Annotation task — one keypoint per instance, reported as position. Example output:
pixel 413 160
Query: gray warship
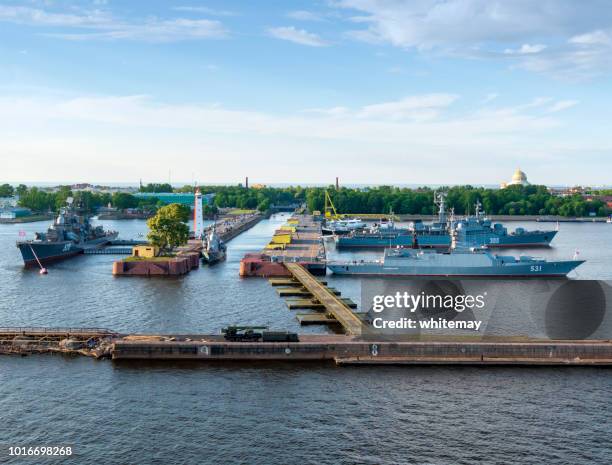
pixel 458 262
pixel 69 235
pixel 214 248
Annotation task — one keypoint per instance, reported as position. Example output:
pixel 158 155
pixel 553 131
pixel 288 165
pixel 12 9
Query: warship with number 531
pixel 459 261
pixel 69 235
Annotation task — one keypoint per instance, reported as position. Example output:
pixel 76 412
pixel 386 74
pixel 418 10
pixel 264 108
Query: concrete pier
pixel 339 349
pixel 345 350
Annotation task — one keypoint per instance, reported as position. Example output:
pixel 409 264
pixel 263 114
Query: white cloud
pixel 130 134
pixel 35 16
pixel 338 111
pixel 204 10
pixel 97 24
pixel 153 30
pixel 299 36
pixel 525 49
pixel 418 108
pixel 303 15
pixel 562 105
pixel 469 27
pixel 490 97
pixel 592 38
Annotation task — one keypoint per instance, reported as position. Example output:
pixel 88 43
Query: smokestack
pixel 337 183
pixel 246 182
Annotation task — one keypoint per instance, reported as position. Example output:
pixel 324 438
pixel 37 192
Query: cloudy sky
pixel 372 91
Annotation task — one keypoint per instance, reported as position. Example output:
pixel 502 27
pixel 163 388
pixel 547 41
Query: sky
pixel 372 91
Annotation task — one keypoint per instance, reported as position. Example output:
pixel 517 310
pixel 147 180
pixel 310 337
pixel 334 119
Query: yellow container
pixel 272 246
pixel 286 227
pixel 281 238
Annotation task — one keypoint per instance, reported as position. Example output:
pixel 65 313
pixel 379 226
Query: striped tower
pixel 198 221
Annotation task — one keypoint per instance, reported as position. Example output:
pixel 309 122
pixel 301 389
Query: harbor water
pixel 276 413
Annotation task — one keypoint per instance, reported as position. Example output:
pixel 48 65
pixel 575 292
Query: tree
pixel 6 190
pixel 122 200
pixel 21 189
pixel 157 188
pixel 167 229
pixel 264 205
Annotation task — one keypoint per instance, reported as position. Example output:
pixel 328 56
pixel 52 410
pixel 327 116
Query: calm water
pixel 274 413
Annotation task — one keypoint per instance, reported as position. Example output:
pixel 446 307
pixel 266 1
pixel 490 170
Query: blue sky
pixel 403 92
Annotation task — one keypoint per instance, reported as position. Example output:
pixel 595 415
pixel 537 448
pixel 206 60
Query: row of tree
pixel 513 200
pixel 40 200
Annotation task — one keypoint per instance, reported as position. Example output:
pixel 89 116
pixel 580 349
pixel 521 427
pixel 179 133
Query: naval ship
pixel 69 235
pixel 215 249
pixel 459 262
pixel 473 231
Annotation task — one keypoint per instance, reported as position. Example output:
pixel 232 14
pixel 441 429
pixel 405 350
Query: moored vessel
pixel 69 235
pixel 473 231
pixel 461 262
pixel 214 248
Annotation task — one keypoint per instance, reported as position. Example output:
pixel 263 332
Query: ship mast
pixel 440 201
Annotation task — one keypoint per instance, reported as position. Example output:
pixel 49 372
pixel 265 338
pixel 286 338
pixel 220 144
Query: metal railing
pixel 54 330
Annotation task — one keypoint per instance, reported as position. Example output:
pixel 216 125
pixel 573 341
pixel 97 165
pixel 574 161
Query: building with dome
pixel 518 178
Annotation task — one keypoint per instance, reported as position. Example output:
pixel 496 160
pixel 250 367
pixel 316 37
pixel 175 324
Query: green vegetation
pixel 6 190
pixel 158 188
pixel 514 200
pixel 239 211
pixel 40 200
pixel 148 259
pixel 167 229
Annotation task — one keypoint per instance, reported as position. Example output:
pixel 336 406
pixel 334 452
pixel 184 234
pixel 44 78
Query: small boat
pixel 341 227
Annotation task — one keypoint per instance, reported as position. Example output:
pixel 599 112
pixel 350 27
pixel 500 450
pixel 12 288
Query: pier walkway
pixel 351 323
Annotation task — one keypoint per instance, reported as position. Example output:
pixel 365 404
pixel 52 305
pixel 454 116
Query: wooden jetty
pixel 350 322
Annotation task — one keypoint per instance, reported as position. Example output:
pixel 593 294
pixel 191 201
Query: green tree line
pixel 40 200
pixel 514 200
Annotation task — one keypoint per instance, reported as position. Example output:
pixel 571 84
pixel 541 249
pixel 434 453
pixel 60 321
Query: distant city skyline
pixel 373 91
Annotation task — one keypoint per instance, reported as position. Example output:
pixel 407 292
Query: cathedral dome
pixel 519 177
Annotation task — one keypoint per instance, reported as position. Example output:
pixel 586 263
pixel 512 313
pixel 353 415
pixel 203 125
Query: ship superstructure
pixel 461 262
pixel 473 231
pixel 70 234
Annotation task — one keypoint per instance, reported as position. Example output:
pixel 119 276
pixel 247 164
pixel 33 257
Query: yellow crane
pixel 330 209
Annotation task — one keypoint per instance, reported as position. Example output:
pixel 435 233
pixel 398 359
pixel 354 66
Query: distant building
pixel 8 202
pixel 569 191
pixel 519 178
pixel 15 212
pixel 184 198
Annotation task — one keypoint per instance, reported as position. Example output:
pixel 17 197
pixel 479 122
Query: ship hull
pixel 533 239
pixel 211 258
pixel 382 242
pixel 47 253
pixel 52 252
pixel 518 270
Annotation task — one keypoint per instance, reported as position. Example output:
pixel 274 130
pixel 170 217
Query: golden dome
pixel 519 176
